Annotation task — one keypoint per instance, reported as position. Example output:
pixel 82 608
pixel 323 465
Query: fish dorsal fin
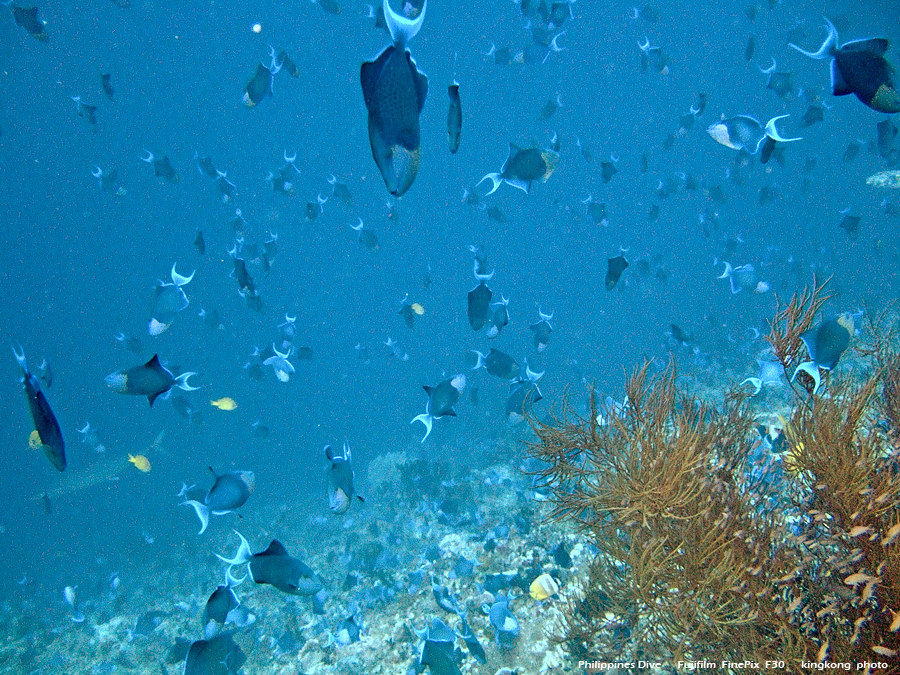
pixel 213 472
pixel 428 389
pixel 402 29
pixel 153 363
pixel 276 548
pixel 838 86
pixel 877 46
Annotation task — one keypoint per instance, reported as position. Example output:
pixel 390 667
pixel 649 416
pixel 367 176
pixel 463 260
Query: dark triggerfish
pixel 229 492
pixel 441 399
pixel 151 380
pixel 522 167
pixel 275 567
pixel 27 18
pixel 394 90
pixel 44 420
pixel 859 68
pixel 340 479
pixel 825 344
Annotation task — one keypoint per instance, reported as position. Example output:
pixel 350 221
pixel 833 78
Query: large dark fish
pixel 394 90
pixel 44 420
pixel 340 479
pixel 220 655
pixel 454 117
pixel 497 363
pixel 614 268
pixel 151 380
pixel 825 344
pixel 859 68
pixel 479 300
pixel 275 567
pixel 229 492
pixel 27 18
pixel 223 607
pixel 260 85
pixel 441 399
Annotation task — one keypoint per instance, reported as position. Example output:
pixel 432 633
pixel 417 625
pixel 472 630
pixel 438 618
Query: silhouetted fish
pixel 394 91
pixel 45 423
pixel 859 68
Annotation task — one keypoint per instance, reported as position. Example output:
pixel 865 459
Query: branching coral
pixel 693 561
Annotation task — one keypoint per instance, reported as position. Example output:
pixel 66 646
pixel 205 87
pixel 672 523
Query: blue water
pixel 78 265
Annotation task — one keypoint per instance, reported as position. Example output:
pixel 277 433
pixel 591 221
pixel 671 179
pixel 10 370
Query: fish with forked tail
pixel 394 90
pixel 48 431
pixel 151 379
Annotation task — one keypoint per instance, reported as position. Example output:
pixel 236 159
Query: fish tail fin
pixel 427 420
pixel 202 511
pixel 401 28
pixel 182 382
pixel 495 179
pixel 811 369
pixel 180 279
pixel 243 554
pixel 772 131
pixel 828 48
pixel 20 357
pixel 756 382
pixel 480 361
pixel 232 581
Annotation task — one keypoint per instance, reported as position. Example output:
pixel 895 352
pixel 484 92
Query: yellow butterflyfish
pixel 34 440
pixel 140 462
pixel 543 587
pixel 224 403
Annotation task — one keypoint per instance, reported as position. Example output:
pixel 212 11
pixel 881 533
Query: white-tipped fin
pixel 149 158
pixel 232 581
pixel 402 29
pixel 772 132
pixel 480 361
pixel 202 513
pixel 426 419
pixel 828 48
pixel 756 382
pixel 359 227
pixel 810 369
pixel 495 179
pixel 482 277
pixel 20 357
pixel 180 279
pixel 770 69
pixel 182 382
pixel 243 554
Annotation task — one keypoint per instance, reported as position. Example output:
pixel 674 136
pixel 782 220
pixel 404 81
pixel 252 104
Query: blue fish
pixel 42 415
pixel 859 67
pixel 394 90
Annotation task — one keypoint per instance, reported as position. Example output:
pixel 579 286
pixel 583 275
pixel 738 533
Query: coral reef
pixel 702 555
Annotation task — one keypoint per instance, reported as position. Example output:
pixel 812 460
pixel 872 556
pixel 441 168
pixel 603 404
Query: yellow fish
pixel 34 440
pixel 543 587
pixel 418 309
pixel 140 462
pixel 224 403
